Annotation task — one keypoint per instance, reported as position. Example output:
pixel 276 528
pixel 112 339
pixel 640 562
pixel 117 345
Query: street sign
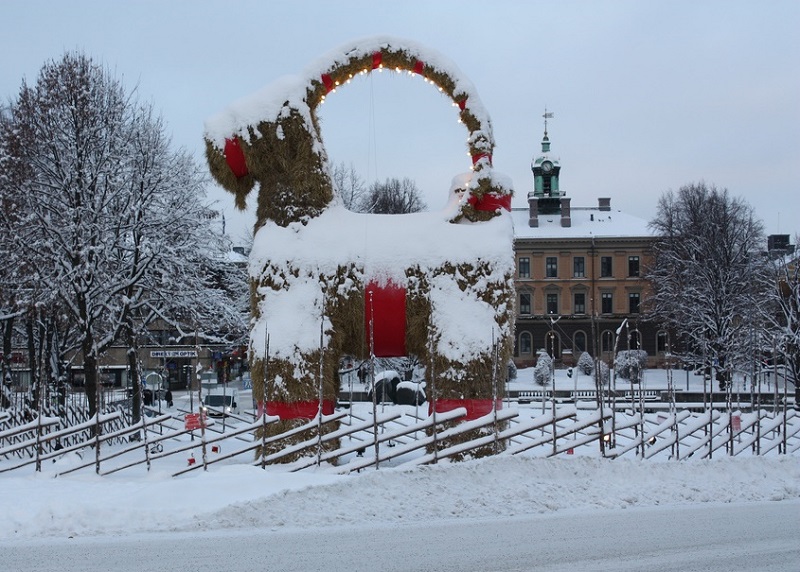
pixel 173 353
pixel 193 421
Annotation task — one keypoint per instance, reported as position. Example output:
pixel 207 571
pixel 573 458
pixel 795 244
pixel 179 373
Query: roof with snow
pixel 586 222
pixel 540 158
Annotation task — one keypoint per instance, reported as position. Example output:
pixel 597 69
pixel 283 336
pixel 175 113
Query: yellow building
pixel 579 275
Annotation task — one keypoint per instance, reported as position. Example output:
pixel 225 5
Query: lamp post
pixel 158 381
pixel 553 377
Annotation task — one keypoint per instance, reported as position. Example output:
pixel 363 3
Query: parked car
pixel 220 404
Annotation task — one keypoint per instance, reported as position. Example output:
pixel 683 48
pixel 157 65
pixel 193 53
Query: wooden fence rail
pixel 679 435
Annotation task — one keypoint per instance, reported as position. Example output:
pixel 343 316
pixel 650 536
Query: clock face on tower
pixel 547 166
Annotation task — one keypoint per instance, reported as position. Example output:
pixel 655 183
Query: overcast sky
pixel 647 96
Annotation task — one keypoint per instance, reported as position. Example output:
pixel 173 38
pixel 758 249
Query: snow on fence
pixel 396 437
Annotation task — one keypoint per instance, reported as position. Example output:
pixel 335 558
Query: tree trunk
pixel 133 372
pixel 50 368
pixel 90 374
pixel 34 384
pixel 5 382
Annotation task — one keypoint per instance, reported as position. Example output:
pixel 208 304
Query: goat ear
pixel 223 174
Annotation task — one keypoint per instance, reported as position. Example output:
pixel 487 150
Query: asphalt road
pixel 709 538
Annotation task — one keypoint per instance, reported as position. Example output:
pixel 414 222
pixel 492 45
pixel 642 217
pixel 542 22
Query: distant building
pixel 579 275
pixel 779 245
pixel 166 356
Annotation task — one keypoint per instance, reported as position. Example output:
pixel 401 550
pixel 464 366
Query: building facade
pixel 579 278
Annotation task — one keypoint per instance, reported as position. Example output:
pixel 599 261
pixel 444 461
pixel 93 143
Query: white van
pixel 219 403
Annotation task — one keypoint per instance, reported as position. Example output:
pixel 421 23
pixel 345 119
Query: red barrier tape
pixel 475 407
pixel 296 409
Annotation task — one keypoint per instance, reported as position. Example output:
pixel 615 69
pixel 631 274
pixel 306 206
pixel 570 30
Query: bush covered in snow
pixel 585 364
pixel 512 370
pixel 630 363
pixel 544 365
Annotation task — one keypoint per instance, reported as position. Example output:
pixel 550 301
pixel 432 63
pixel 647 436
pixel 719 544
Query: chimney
pixel 566 219
pixel 533 209
pixel 604 204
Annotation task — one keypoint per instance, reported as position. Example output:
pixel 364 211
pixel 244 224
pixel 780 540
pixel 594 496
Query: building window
pixel 524 267
pixel 525 343
pixel 579 267
pixel 633 266
pixel 579 303
pixel 606 270
pixel 633 302
pixel 580 343
pixel 661 342
pixel 607 303
pixel 551 267
pixel 607 341
pixel 552 303
pixel 634 340
pixel 525 303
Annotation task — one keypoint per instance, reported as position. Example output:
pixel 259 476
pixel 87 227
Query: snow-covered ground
pixel 245 497
pixel 503 513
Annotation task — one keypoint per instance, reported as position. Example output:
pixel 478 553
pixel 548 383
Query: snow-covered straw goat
pixel 327 282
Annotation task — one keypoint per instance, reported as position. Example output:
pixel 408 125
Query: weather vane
pixel 547 115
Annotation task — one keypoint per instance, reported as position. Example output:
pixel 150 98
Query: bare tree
pixel 709 277
pixel 109 218
pixel 787 318
pixel 349 185
pixel 392 197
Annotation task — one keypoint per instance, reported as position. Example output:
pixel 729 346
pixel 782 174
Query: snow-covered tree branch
pixel 710 278
pixel 108 219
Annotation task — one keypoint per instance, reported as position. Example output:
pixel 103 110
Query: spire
pixel 546 140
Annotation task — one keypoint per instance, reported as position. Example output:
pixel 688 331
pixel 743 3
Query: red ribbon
pixel 490 202
pixel 475 407
pixel 377 58
pixel 478 156
pixel 327 81
pixel 387 315
pixel 419 67
pixel 296 409
pixel 462 104
pixel 234 156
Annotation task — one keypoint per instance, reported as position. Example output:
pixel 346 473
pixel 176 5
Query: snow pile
pixel 239 496
pixel 378 248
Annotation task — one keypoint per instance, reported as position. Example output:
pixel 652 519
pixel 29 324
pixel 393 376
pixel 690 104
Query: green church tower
pixel 546 170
